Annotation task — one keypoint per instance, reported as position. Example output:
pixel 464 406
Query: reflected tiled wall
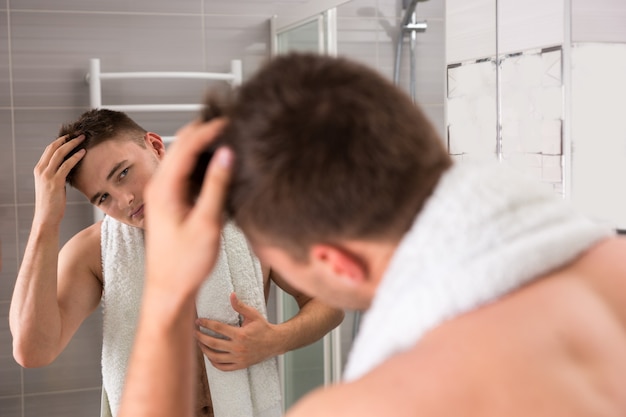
pixel 367 32
pixel 45 49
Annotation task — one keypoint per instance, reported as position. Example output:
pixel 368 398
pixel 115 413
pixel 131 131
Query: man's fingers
pixel 189 144
pixel 52 147
pixel 216 326
pixel 57 159
pixel 215 344
pixel 58 150
pixel 172 180
pixel 247 311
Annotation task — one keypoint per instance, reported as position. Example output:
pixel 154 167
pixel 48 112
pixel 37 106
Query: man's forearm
pixel 310 324
pixel 34 316
pixel 159 381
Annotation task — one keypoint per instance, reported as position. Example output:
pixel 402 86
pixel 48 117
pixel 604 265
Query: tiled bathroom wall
pixel 555 100
pixel 45 49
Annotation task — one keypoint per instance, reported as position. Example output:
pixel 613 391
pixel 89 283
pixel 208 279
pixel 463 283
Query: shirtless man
pixel 485 294
pixel 56 290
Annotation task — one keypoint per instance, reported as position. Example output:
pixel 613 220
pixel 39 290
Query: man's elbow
pixel 337 318
pixel 27 357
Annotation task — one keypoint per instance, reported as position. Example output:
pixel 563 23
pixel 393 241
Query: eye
pixel 103 198
pixel 123 173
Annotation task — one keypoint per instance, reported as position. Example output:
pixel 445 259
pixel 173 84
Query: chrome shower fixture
pixel 411 26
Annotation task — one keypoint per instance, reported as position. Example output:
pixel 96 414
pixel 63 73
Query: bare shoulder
pixel 82 252
pixel 420 381
pixel 603 268
pixel 556 342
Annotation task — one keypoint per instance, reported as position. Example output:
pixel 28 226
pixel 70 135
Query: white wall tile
pixel 529 24
pixel 598 134
pixel 470 30
pixel 471 110
pixel 34 130
pixel 598 21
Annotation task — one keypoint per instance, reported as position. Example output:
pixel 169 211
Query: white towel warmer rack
pixel 95 76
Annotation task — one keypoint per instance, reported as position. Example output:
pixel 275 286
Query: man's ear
pixel 339 262
pixel 155 142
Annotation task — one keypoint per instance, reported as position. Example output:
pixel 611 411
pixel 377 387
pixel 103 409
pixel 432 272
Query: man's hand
pixel 50 173
pixel 245 346
pixel 182 236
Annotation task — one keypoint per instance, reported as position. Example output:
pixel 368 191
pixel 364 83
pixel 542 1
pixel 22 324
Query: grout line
pixel 68 203
pixel 121 13
pixel 68 391
pixel 14 154
pixel 43 107
pixel 203 36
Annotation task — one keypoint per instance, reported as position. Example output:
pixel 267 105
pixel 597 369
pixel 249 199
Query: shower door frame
pixel 324 14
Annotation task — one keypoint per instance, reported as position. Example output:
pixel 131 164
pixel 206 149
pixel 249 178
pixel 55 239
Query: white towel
pixel 484 232
pixel 122 249
pixel 255 391
pixel 232 393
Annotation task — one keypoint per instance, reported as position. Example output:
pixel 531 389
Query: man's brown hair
pixel 100 125
pixel 327 150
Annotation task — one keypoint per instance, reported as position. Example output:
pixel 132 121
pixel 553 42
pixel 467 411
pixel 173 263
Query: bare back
pixel 556 347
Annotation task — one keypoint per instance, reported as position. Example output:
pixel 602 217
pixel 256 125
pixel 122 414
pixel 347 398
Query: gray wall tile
pixel 430 63
pixel 5 96
pixel 154 6
pixel 77 217
pixel 8 240
pixel 236 37
pixel 437 116
pixel 263 8
pixel 357 8
pixel 11 407
pixel 358 39
pixel 10 371
pixel 34 130
pixel 77 368
pixel 425 9
pixel 7 170
pixel 78 403
pixel 164 124
pixel 51 52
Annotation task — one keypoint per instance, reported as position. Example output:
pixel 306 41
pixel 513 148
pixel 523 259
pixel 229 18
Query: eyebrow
pixel 116 167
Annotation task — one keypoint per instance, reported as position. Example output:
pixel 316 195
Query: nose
pixel 125 199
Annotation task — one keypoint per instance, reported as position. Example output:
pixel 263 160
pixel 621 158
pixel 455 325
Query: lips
pixel 137 211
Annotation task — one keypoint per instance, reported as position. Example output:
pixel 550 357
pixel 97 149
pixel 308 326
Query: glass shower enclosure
pixel 307 27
